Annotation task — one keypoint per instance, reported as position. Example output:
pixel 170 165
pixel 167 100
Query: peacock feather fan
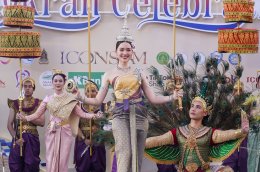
pixel 211 81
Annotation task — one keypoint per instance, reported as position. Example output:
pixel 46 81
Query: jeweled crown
pixel 124 34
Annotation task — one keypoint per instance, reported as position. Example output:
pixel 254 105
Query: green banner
pixel 81 77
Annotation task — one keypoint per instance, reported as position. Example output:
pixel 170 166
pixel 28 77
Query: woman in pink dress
pixel 63 124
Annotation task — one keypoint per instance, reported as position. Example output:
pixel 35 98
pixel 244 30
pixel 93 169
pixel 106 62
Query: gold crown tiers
pixel 238 10
pixel 57 71
pixel 20 44
pixel 18 16
pixel 238 41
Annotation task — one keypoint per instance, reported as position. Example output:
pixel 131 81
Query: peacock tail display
pixel 209 81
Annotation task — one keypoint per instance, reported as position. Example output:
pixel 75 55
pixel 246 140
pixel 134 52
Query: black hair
pixel 61 74
pixel 93 83
pixel 120 42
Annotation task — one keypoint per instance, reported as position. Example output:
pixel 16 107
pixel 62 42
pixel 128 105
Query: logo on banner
pixel 25 73
pixel 5 61
pixel 233 58
pixel 163 58
pixel 2 84
pixel 45 80
pixel 189 14
pixel 81 78
pixel 81 57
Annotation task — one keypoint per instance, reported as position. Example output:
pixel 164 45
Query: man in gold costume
pixel 84 160
pixel 194 146
pixel 30 139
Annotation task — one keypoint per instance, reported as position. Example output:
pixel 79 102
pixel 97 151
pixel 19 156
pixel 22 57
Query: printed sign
pixel 194 15
pixel 46 79
pixel 81 78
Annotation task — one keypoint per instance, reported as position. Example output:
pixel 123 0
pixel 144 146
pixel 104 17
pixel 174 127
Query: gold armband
pixel 161 140
pixel 220 136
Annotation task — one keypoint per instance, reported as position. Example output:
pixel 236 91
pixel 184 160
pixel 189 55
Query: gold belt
pixel 85 128
pixel 63 122
pixel 30 129
pixel 130 101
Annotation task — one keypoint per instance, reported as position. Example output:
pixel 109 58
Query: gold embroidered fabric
pixel 125 86
pixel 28 127
pixel 61 106
pixel 164 139
pixel 195 149
pixel 220 136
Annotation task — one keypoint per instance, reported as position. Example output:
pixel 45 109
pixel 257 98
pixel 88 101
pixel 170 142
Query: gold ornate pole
pixel 89 69
pixel 20 109
pixel 177 79
pixel 239 84
pixel 239 62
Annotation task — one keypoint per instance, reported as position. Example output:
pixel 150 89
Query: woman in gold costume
pixel 129 124
pixel 64 120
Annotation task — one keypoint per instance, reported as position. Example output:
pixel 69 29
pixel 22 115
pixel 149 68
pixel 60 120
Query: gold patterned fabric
pixel 20 44
pixel 129 122
pixel 61 106
pixel 238 41
pixel 194 147
pixel 220 136
pixel 30 108
pixel 84 124
pixel 125 86
pixel 238 10
pixel 165 139
pixel 18 16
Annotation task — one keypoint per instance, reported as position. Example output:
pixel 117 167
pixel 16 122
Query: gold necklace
pixel 125 70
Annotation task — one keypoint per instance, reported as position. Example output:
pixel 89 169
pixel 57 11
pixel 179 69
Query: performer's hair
pixel 61 74
pixel 120 42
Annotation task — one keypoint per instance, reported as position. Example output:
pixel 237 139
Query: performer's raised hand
pixel 99 114
pixel 78 95
pixel 75 91
pixel 21 116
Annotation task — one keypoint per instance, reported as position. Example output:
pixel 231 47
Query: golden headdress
pixel 92 84
pixel 57 71
pixel 202 96
pixel 125 35
pixel 29 79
